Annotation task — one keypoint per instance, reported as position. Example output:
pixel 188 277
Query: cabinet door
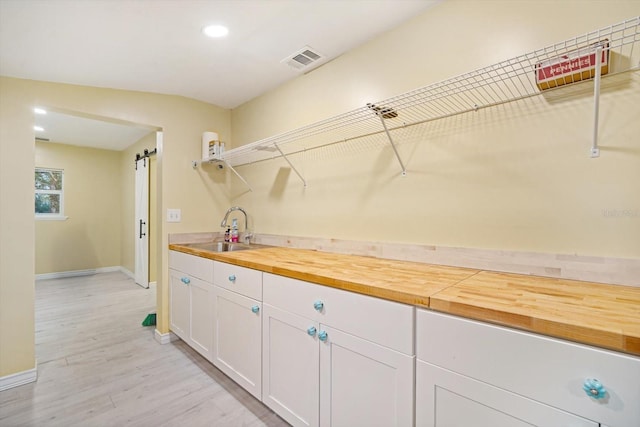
pixel 237 344
pixel 541 368
pixel 447 399
pixel 290 366
pixel 201 317
pixel 179 304
pixel 363 384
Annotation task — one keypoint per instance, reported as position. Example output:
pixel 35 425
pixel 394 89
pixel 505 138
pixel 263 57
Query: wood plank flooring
pixel 97 366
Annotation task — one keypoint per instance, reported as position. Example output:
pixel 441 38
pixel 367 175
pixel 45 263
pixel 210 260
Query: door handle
pixel 141 233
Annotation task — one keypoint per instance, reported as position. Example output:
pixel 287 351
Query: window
pixel 49 195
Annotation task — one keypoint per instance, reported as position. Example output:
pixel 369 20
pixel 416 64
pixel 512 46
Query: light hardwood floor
pixel 97 366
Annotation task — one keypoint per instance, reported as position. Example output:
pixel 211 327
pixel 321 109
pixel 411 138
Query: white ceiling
pixel 86 131
pixel 157 46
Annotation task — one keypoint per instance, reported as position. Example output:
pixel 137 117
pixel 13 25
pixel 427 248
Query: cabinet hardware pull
pixel 232 278
pixel 322 336
pixel 185 280
pixel 311 331
pixel 594 388
pixel 318 305
pixel 141 233
pixel 255 309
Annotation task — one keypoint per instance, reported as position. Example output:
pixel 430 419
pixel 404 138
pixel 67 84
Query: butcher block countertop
pixel 592 313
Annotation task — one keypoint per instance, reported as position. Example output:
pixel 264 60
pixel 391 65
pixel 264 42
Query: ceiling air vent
pixel 302 59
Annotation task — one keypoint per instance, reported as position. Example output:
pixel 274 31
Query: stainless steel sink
pixel 224 246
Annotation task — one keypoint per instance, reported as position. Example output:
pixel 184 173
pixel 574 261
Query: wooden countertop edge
pixel 580 334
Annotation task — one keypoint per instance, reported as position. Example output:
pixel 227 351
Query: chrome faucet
pixel 247 235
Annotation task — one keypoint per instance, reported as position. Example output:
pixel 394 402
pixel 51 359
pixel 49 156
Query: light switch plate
pixel 173 215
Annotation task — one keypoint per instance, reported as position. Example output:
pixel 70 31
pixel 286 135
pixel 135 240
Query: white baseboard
pixel 19 378
pixel 75 273
pixel 128 272
pixel 88 272
pixel 165 338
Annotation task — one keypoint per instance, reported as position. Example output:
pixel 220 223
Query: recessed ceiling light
pixel 38 129
pixel 215 31
pixel 39 110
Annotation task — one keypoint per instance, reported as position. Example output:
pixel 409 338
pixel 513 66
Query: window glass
pixel 49 195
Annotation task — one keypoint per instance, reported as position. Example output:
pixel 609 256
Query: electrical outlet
pixel 173 215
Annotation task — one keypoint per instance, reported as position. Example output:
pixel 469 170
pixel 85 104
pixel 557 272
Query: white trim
pixel 89 272
pixel 127 272
pixel 47 217
pixel 19 378
pixel 165 338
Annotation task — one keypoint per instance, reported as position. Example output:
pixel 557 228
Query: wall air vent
pixel 303 59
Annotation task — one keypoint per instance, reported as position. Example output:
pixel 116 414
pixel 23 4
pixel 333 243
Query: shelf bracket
pixel 238 175
pixel 291 164
pixel 595 151
pixel 381 113
pixel 195 164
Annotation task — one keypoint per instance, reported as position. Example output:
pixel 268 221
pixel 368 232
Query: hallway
pixel 97 366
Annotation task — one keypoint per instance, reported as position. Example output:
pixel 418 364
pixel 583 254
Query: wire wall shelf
pixel 511 80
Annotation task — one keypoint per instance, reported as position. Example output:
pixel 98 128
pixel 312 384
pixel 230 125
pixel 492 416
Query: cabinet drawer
pixel 242 280
pixel 195 266
pixel 545 369
pixel 384 322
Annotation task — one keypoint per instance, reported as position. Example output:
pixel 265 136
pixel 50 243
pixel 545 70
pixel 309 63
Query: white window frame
pixel 58 216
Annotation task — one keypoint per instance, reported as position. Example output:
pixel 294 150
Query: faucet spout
pixel 246 220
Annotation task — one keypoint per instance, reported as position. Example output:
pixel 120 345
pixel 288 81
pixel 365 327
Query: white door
pixel 179 303
pixel 237 345
pixel 363 384
pixel 142 223
pixel 447 399
pixel 201 316
pixel 290 366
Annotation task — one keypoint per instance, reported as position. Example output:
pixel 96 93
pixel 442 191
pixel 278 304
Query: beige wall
pixel 203 200
pixel 513 177
pixel 90 237
pixel 128 205
pixel 99 201
pixel 17 233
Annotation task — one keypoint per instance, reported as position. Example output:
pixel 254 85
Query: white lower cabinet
pixel 363 383
pixel 201 317
pixel 474 373
pixel 290 366
pixel 237 345
pixel 179 304
pixel 321 374
pixel 190 296
pixel 323 357
pixel 447 399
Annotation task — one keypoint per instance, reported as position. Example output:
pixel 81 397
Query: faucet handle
pixel 247 235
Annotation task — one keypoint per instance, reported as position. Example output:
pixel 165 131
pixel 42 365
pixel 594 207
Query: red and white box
pixel 579 64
